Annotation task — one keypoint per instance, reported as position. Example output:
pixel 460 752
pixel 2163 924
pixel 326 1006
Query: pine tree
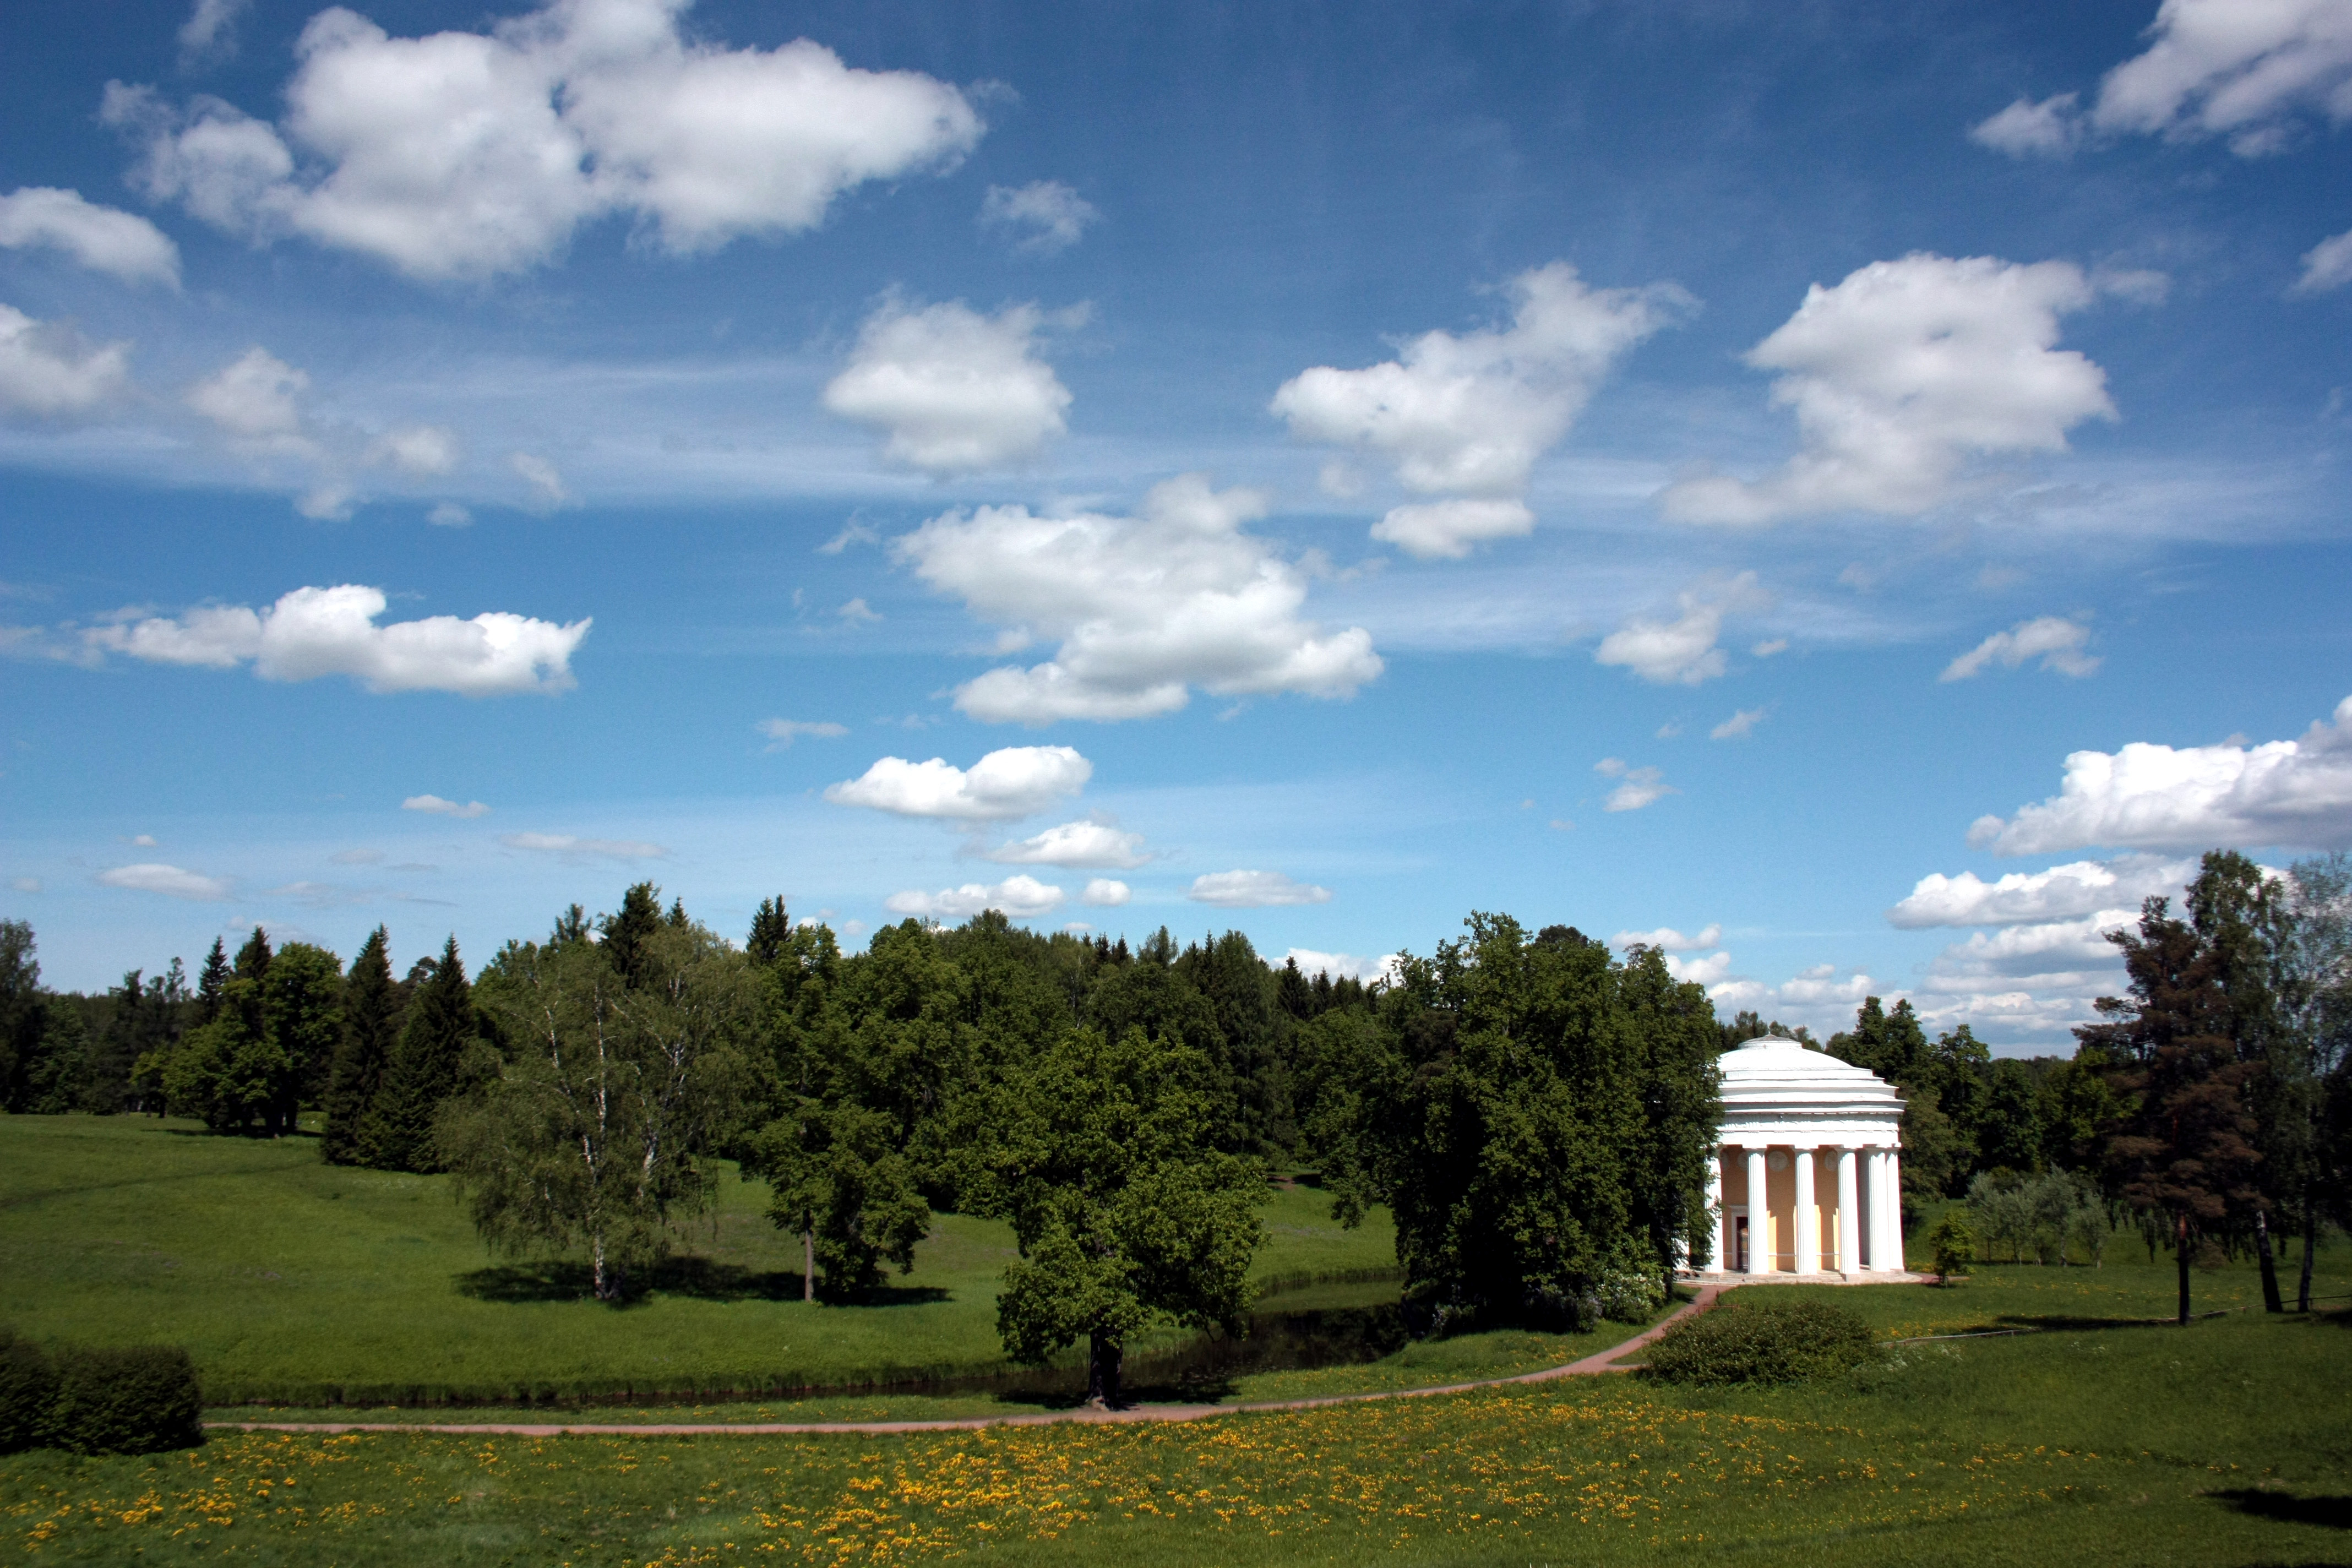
pixel 425 1068
pixel 625 933
pixel 371 1027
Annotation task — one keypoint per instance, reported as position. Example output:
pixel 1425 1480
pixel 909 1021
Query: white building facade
pixel 1807 1176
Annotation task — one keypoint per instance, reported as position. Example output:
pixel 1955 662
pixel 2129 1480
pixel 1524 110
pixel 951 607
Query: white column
pixel 1809 1223
pixel 1760 1216
pixel 1716 1257
pixel 1878 1253
pixel 1893 1254
pixel 1849 1214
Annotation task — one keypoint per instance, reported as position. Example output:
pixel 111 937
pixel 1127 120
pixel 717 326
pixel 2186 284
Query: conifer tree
pixel 371 1027
pixel 210 984
pixel 425 1067
pixel 625 933
pixel 771 931
pixel 253 958
pixel 570 926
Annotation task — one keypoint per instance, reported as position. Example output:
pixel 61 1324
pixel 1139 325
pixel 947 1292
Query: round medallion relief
pixel 1777 1160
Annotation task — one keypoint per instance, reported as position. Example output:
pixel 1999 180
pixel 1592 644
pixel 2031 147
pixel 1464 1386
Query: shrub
pixel 28 1387
pixel 1771 1339
pixel 1954 1244
pixel 142 1399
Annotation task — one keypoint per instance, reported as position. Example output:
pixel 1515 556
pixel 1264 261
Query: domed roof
pixel 1777 1091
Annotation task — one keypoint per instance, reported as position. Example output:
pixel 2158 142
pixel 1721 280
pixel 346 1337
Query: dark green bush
pixel 142 1399
pixel 28 1387
pixel 1761 1336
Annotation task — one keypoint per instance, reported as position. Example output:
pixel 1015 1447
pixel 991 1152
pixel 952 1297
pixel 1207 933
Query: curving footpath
pixel 1598 1362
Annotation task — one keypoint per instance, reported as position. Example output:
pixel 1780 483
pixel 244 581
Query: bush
pixel 28 1387
pixel 1770 1339
pixel 139 1400
pixel 1954 1244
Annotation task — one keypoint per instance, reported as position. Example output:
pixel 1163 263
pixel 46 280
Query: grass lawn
pixel 2105 1440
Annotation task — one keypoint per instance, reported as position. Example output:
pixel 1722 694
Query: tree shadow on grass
pixel 2328 1510
pixel 700 1278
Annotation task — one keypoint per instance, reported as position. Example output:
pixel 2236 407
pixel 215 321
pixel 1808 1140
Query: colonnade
pixel 1869 1209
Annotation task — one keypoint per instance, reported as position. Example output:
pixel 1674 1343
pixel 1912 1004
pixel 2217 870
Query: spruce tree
pixel 210 984
pixel 371 1027
pixel 424 1066
pixel 253 958
pixel 771 932
pixel 625 933
pixel 570 926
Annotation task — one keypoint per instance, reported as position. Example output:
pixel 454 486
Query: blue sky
pixel 1854 496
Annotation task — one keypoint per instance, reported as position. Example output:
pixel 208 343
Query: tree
pixel 627 933
pixel 2181 1152
pixel 371 1028
pixel 23 1016
pixel 210 983
pixel 1104 1158
pixel 595 1133
pixel 302 1016
pixel 426 1067
pixel 253 958
pixel 2311 983
pixel 841 1181
pixel 1953 1244
pixel 1672 1033
pixel 1891 1044
pixel 2236 917
pixel 771 930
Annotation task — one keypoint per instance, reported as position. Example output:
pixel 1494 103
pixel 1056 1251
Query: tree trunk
pixel 2310 1235
pixel 808 1264
pixel 605 1273
pixel 1102 1355
pixel 2180 1256
pixel 2270 1302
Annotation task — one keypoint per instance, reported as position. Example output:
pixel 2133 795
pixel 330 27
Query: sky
pixel 1851 496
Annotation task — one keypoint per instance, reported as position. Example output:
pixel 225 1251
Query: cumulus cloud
pixel 1818 991
pixel 1901 374
pixel 419 451
pixel 954 390
pixel 209 33
pixel 1636 787
pixel 1740 724
pixel 47 370
pixel 2294 793
pixel 254 399
pixel 1470 415
pixel 1343 965
pixel 1106 893
pixel 783 732
pixel 571 847
pixel 2068 892
pixel 1680 651
pixel 1447 530
pixel 463 155
pixel 2224 67
pixel 170 880
pixel 1706 971
pixel 104 239
pixel 1254 890
pixel 433 804
pixel 1095 844
pixel 1019 897
pixel 1145 606
pixel 1043 216
pixel 1666 939
pixel 2326 266
pixel 314 632
pixel 1015 781
pixel 2048 128
pixel 2058 643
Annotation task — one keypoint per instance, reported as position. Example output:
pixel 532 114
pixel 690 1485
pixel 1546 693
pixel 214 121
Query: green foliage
pixel 2049 1215
pixel 427 1069
pixel 1103 1158
pixel 627 932
pixel 594 1134
pixel 372 1003
pixel 139 1399
pixel 1953 1246
pixel 28 1393
pixel 840 1179
pixel 1773 1338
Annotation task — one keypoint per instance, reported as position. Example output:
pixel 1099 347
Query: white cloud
pixel 1106 893
pixel 1825 1000
pixel 1145 606
pixel 434 805
pixel 1015 781
pixel 1769 647
pixel 169 881
pixel 1708 971
pixel 1046 215
pixel 2039 951
pixel 1343 965
pixel 955 391
pixel 313 632
pixel 104 239
pixel 571 847
pixel 2062 892
pixel 1019 897
pixel 2048 128
pixel 465 155
pixel 1470 415
pixel 2058 643
pixel 449 514
pixel 1448 528
pixel 1095 844
pixel 1666 939
pixel 253 398
pixel 1740 724
pixel 1637 787
pixel 2326 266
pixel 547 491
pixel 420 451
pixel 144 840
pixel 1681 650
pixel 857 612
pixel 26 884
pixel 1254 890
pixel 2228 68
pixel 2149 797
pixel 209 33
pixel 1903 372
pixel 783 732
pixel 47 370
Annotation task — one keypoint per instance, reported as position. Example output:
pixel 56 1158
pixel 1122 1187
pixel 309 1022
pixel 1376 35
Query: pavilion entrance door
pixel 1739 1244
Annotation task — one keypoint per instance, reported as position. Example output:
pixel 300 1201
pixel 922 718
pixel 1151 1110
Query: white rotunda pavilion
pixel 1805 1179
